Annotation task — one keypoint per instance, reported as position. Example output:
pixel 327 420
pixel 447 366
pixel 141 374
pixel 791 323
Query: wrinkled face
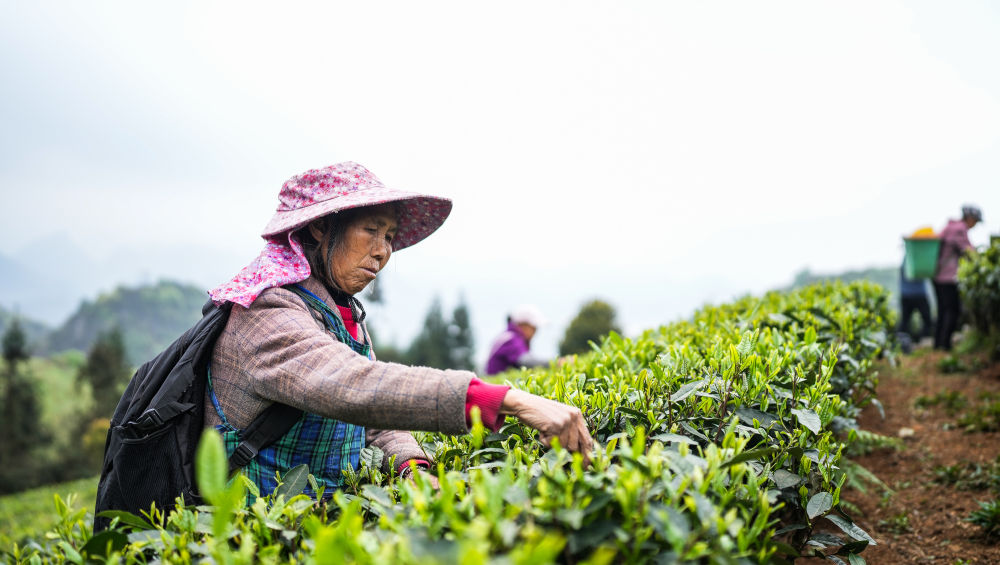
pixel 363 249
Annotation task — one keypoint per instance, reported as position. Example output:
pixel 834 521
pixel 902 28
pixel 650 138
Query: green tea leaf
pixel 250 485
pixel 126 518
pixel 750 455
pixel 686 390
pixel 294 481
pixel 786 479
pixel 378 495
pixel 853 547
pixel 808 419
pixel 372 456
pixel 71 554
pixel 850 528
pixel 104 543
pixel 819 504
pixel 211 465
pixel 748 415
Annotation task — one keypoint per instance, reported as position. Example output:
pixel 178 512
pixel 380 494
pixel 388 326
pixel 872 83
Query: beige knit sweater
pixel 278 351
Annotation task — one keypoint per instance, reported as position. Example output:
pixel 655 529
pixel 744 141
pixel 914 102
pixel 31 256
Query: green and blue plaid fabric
pixel 327 446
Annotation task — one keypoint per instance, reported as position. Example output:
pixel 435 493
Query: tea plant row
pixel 719 441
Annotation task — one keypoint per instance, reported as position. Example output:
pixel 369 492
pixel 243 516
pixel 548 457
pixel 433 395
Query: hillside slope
pixel 150 317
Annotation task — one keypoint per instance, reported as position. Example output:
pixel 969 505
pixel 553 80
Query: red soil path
pixel 923 521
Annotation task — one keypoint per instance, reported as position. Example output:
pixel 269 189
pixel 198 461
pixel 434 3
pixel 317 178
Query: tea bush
pixel 720 441
pixel 979 283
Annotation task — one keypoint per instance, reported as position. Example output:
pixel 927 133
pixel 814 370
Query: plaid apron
pixel 327 446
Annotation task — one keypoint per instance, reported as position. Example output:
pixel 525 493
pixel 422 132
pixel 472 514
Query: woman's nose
pixel 381 249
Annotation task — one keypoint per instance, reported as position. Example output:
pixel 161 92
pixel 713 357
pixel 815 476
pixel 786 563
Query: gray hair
pixel 970 211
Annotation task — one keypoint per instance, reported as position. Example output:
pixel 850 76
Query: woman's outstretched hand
pixel 552 420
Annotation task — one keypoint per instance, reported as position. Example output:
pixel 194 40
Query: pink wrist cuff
pixel 488 398
pixel 419 463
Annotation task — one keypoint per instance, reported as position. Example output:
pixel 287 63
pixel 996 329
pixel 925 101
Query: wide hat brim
pixel 420 214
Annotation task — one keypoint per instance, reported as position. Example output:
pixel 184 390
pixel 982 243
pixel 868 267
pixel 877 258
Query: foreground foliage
pixel 720 441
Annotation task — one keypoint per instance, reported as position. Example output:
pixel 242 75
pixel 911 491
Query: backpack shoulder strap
pixel 266 428
pixel 315 304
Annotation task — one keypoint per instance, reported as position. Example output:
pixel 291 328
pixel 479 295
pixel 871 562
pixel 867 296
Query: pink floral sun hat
pixel 314 194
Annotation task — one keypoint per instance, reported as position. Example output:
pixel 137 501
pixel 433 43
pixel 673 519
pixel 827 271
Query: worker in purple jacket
pixel 512 348
pixel 954 243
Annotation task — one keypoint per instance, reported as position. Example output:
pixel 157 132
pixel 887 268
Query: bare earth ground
pixel 922 521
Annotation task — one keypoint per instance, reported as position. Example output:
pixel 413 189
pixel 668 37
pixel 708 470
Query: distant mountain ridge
pixel 47 278
pixel 149 316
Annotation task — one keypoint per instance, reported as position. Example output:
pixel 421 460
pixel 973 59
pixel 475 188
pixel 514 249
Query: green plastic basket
pixel 921 257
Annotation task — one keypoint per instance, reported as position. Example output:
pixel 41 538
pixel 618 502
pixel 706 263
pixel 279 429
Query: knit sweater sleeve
pixel 281 353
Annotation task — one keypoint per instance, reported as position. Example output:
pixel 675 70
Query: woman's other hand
pixel 552 420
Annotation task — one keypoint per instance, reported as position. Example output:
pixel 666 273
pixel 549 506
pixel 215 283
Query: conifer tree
pixel 107 370
pixel 21 417
pixel 462 342
pixel 431 347
pixel 15 346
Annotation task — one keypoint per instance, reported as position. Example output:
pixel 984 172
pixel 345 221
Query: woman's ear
pixel 316 229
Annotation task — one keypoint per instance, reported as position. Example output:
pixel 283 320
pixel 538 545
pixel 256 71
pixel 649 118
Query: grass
pixel 898 524
pixel 984 417
pixel 968 475
pixel 31 513
pixel 987 517
pixel 952 401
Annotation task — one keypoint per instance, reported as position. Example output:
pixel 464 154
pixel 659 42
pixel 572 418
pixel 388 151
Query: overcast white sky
pixel 655 154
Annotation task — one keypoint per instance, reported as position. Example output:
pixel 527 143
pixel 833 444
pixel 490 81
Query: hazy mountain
pixel 150 317
pixel 32 294
pixel 47 278
pixel 57 257
pixel 34 330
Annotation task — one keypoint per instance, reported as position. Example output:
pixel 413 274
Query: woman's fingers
pixel 552 420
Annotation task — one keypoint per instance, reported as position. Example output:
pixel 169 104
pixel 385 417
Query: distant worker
pixel 512 348
pixel 954 243
pixel 913 298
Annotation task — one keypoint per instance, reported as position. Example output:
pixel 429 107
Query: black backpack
pixel 150 449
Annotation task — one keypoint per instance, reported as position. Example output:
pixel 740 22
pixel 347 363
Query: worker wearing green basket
pixel 954 243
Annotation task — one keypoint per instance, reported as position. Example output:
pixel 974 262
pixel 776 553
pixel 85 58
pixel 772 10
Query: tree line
pixel 29 453
pixel 448 343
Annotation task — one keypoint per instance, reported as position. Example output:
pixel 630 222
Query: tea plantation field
pixel 720 441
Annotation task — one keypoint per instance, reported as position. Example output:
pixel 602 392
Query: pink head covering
pixel 314 194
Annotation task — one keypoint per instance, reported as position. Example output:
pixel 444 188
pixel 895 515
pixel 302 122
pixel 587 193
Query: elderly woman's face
pixel 363 250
